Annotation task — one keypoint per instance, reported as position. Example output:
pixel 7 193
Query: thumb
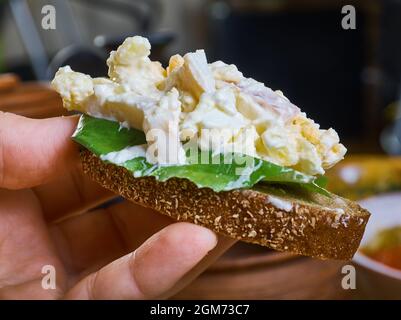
pixel 34 151
pixel 151 270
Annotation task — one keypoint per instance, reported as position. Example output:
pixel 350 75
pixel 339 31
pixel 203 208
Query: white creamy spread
pixel 121 156
pixel 279 203
pixel 338 211
pixel 212 103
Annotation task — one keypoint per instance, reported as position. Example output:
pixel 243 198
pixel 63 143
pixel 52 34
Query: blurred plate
pixel 362 176
pixel 377 280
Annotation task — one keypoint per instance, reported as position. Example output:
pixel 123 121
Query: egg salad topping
pixel 212 104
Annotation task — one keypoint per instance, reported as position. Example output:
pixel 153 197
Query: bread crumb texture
pixel 316 226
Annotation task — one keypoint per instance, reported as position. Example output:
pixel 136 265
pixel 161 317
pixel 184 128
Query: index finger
pixel 34 151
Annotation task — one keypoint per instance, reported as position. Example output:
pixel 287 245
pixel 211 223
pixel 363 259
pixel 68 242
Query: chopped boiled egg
pixel 212 103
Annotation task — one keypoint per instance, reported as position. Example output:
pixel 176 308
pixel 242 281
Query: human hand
pixel 123 251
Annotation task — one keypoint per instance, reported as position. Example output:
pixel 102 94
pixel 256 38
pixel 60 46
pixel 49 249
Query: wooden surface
pixel 252 272
pixel 30 99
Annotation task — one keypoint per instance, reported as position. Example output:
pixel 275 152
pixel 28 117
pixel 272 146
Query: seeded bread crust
pixel 313 225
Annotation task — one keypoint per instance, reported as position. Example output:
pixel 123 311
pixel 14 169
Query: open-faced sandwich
pixel 202 143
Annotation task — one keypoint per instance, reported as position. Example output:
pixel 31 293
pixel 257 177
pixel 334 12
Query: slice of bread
pixel 279 217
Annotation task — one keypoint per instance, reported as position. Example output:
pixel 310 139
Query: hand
pixel 45 219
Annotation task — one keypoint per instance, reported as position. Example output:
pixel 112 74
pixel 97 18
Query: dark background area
pixel 327 60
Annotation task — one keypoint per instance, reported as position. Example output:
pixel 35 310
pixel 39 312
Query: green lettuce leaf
pixel 102 136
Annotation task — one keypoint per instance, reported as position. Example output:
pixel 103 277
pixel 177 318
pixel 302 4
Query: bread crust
pixel 309 224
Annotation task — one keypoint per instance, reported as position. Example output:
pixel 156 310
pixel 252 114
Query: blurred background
pixel 347 79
